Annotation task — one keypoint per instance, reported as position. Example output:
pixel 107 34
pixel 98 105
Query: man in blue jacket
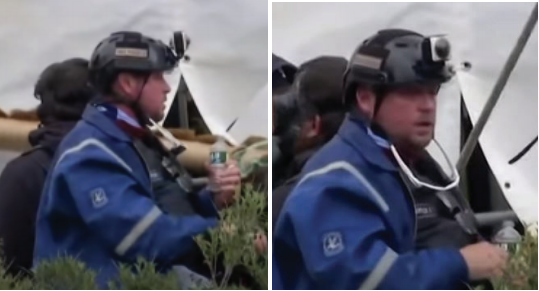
pixel 114 193
pixel 350 221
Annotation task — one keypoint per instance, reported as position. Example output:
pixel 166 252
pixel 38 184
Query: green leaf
pixel 64 273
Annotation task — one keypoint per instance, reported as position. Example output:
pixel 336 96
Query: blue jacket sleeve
pixel 276 283
pixel 113 205
pixel 342 238
pixel 205 203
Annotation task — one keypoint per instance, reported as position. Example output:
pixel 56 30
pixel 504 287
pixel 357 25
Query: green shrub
pixel 521 272
pixel 233 241
pixel 65 273
pixel 231 244
pixel 145 277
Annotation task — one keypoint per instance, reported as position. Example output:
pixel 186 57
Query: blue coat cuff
pixel 205 203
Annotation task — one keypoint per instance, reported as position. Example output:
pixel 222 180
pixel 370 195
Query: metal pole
pixel 472 140
pixel 495 218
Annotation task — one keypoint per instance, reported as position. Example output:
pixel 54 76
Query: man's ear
pixel 313 127
pixel 365 101
pixel 128 84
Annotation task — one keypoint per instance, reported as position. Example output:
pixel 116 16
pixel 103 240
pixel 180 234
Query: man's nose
pixel 427 102
pixel 167 88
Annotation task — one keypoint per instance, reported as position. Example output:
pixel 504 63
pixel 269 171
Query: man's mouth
pixel 425 124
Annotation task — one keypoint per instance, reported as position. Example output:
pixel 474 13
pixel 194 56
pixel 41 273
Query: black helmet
pixel 396 57
pixel 128 51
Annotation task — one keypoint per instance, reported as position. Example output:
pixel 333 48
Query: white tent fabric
pixel 481 33
pixel 35 33
pixel 253 121
pixel 228 63
pixel 228 52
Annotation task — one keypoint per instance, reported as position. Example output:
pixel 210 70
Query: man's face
pixel 408 115
pixel 309 134
pixel 154 96
pixel 151 95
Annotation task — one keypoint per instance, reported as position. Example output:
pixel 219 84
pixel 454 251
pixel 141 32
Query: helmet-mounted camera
pixel 436 49
pixel 179 44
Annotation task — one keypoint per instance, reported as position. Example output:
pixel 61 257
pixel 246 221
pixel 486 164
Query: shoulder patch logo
pixel 99 197
pixel 333 243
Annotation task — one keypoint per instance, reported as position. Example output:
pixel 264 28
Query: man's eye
pixel 158 76
pixel 418 90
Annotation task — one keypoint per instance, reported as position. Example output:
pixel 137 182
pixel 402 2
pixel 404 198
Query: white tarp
pixel 482 33
pixel 513 123
pixel 253 121
pixel 228 63
pixel 35 33
pixel 228 49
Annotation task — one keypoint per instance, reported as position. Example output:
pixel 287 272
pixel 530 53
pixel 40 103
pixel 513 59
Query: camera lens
pixel 442 48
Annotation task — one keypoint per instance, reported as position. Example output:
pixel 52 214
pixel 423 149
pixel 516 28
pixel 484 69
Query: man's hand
pixel 484 260
pixel 225 181
pixel 261 243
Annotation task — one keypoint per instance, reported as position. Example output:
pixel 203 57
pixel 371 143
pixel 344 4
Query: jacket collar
pixel 298 161
pixel 353 131
pixel 107 125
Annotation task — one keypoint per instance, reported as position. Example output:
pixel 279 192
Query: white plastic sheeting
pixel 35 33
pixel 253 121
pixel 513 123
pixel 481 33
pixel 228 66
pixel 228 51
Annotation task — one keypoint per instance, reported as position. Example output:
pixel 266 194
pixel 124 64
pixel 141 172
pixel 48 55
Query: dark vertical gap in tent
pixel 184 112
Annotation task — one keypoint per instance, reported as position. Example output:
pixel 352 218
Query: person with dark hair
pixel 60 88
pixel 351 221
pixel 115 194
pixel 282 74
pixel 63 91
pixel 317 95
pixel 282 77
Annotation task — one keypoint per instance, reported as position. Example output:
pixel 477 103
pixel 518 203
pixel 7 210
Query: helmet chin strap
pixel 143 118
pixel 455 177
pixel 140 116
